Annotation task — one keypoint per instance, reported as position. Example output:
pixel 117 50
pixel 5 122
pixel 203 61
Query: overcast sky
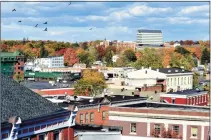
pixel 110 20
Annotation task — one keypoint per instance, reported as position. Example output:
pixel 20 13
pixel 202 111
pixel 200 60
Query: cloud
pixel 146 10
pixel 194 9
pixel 179 20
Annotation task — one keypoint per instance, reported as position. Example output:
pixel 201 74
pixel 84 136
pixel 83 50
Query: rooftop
pixel 10 54
pixel 45 85
pixel 113 99
pixel 172 70
pixel 17 100
pixel 166 106
pixel 149 31
pixel 188 92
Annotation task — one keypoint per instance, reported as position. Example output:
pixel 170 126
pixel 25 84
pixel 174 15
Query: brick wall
pixel 97 115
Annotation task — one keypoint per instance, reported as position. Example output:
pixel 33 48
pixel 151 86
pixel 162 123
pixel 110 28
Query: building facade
pixel 186 97
pixel 149 37
pixel 171 79
pixel 12 63
pixel 152 120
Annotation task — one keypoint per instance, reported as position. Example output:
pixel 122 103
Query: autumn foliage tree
pixel 92 83
pixel 70 57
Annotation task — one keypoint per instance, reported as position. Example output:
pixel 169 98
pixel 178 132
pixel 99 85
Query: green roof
pixel 10 54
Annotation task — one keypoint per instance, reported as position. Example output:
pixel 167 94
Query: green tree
pixel 195 80
pixel 205 58
pixel 149 58
pixel 130 55
pixel 182 50
pixel 122 61
pixel 108 56
pixel 178 60
pixel 92 83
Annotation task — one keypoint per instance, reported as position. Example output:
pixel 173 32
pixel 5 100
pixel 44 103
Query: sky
pixel 110 20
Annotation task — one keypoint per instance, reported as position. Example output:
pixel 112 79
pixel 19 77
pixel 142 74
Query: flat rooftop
pixel 166 106
pixel 188 92
pixel 45 85
pixel 101 100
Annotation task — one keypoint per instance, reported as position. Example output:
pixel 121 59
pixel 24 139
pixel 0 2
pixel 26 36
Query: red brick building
pixel 186 97
pixel 149 120
pixel 95 111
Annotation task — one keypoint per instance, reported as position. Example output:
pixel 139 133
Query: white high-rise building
pixel 149 37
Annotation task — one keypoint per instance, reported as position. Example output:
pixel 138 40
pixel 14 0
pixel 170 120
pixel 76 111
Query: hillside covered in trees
pixel 88 52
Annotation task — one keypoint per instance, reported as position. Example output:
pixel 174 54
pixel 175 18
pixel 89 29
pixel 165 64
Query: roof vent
pixel 91 100
pixel 169 70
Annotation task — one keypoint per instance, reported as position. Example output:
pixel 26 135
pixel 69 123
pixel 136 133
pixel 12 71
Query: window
pixel 175 81
pixel 202 98
pixel 185 81
pixel 86 118
pixel 133 128
pixel 56 135
pixel 190 102
pixel 5 135
pixel 42 137
pixel 194 132
pixel 92 117
pixel 193 100
pixel 199 99
pixel 157 128
pixel 173 101
pixel 175 129
pixel 103 115
pixel 81 118
pixel 196 100
pixel 205 98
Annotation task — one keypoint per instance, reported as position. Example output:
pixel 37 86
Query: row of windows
pixel 197 100
pixel 178 81
pixel 86 115
pixel 175 129
pixel 57 61
pixel 26 130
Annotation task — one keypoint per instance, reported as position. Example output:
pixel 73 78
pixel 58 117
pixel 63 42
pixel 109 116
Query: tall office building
pixel 149 37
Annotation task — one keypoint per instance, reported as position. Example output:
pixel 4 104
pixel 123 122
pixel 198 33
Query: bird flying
pixel 45 22
pixel 45 29
pixel 13 10
pixel 19 21
pixel 90 29
pixel 36 25
pixel 69 3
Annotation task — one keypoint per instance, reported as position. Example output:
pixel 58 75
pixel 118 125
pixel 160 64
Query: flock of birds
pixel 46 29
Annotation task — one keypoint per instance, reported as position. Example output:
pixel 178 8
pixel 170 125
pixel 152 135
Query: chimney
pixel 157 70
pixel 182 67
pixel 142 67
pixel 150 68
pixel 168 66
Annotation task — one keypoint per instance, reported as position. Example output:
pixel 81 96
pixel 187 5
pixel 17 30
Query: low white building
pixel 40 63
pixel 173 79
pixel 144 76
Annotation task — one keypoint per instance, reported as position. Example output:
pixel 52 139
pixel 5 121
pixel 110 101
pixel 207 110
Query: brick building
pixel 150 120
pixel 26 115
pixel 186 97
pixel 12 64
pixel 95 110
